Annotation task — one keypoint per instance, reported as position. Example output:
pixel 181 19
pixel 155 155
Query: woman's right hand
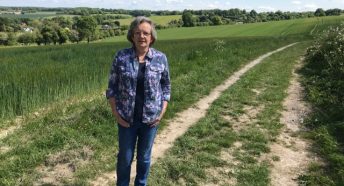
pixel 118 118
pixel 122 122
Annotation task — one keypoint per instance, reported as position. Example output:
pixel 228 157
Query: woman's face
pixel 142 35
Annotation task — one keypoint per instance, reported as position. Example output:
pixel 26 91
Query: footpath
pixel 177 126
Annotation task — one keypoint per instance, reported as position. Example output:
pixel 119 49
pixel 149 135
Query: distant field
pixel 161 20
pixel 124 15
pixel 35 15
pixel 298 27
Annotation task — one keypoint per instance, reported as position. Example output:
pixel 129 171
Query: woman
pixel 138 92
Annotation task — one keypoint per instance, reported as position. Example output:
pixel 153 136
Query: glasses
pixel 145 34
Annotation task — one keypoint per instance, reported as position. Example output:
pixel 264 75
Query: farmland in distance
pixel 296 27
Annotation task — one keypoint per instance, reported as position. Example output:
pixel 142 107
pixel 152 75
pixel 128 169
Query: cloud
pixel 174 1
pixel 338 1
pixel 311 6
pixel 296 2
pixel 214 5
pixel 266 8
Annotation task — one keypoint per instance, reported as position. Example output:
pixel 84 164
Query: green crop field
pixel 66 121
pixel 297 27
pixel 37 75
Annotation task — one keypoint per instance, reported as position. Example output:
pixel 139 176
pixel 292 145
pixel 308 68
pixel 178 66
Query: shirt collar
pixel 149 53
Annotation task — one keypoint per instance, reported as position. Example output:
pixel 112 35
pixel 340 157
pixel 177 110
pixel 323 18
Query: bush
pixel 3 38
pixel 327 58
pixel 324 83
pixel 26 38
pixel 11 39
pixel 159 27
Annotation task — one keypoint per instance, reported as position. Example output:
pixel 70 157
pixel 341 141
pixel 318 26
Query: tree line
pixel 234 16
pixel 97 25
pixel 85 11
pixel 57 30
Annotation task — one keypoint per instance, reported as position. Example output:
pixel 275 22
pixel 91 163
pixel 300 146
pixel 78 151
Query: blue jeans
pixel 127 138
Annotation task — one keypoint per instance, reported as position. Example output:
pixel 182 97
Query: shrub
pixel 26 38
pixel 11 39
pixel 3 38
pixel 327 61
pixel 324 83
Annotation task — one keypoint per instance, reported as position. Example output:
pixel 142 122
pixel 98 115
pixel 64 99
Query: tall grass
pixel 33 77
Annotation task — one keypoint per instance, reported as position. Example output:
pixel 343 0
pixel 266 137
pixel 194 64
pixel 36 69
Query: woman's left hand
pixel 156 122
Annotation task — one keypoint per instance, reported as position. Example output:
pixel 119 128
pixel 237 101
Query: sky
pixel 258 5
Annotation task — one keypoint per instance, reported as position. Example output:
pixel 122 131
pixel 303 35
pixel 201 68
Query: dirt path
pixel 184 120
pixel 292 150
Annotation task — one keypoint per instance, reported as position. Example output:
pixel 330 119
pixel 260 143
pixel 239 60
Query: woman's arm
pixel 112 90
pixel 166 92
pixel 119 119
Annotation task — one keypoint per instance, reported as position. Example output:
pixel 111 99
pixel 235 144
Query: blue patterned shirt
pixel 123 82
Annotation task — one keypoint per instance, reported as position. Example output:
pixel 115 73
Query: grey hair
pixel 135 23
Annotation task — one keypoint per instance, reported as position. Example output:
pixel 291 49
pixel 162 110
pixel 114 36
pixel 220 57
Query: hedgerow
pixel 324 84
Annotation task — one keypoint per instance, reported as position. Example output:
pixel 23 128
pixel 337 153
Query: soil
pixel 292 151
pixel 62 165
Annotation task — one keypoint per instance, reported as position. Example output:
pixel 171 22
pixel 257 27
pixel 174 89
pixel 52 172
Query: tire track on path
pixel 293 151
pixel 177 126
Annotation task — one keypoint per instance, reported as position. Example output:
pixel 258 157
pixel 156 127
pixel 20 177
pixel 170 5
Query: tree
pixel 35 23
pixel 333 12
pixel 86 27
pixel 319 12
pixel 136 13
pixel 4 22
pixel 117 23
pixel 176 23
pixel 216 20
pixel 64 22
pixel 73 36
pixel 3 38
pixel 62 35
pixel 49 34
pixel 95 36
pixel 253 14
pixel 188 20
pixel 38 38
pixel 111 32
pixel 11 39
pixel 26 38
pixel 55 36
